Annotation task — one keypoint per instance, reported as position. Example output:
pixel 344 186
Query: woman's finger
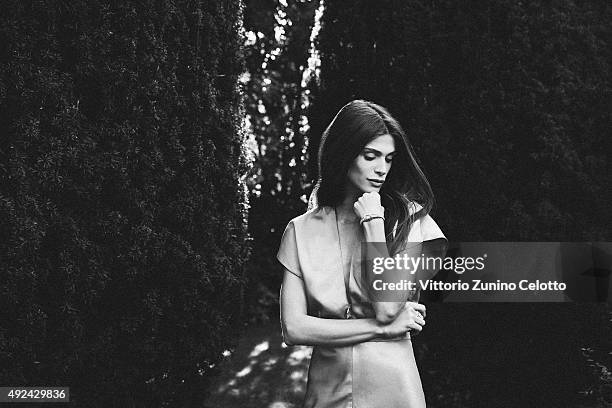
pixel 415 326
pixel 418 317
pixel 417 306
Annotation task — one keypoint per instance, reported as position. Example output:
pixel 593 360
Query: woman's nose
pixel 382 168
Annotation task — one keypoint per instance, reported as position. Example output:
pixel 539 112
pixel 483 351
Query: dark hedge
pixel 508 107
pixel 122 206
pixel 507 104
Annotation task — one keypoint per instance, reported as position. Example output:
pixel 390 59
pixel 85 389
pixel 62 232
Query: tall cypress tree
pixel 122 210
pixel 506 105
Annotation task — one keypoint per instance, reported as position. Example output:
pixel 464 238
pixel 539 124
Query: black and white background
pixel 152 152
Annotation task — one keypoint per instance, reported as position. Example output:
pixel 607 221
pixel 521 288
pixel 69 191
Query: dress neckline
pixel 354 220
pixel 346 275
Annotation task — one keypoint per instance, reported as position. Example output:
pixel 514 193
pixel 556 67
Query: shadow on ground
pixel 262 372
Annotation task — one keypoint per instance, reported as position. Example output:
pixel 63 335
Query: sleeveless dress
pixel 380 373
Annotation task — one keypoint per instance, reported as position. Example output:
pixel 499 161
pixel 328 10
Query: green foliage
pixel 278 40
pixel 122 213
pixel 507 105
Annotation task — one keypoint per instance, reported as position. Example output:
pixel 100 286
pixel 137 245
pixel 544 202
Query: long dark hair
pixel 355 125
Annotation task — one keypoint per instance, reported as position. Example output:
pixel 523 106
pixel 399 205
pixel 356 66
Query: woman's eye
pixel 369 157
pixel 389 159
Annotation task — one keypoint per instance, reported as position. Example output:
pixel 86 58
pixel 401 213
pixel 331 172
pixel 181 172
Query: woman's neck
pixel 345 211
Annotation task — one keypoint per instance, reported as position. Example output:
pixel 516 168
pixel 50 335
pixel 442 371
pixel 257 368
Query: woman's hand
pixel 412 317
pixel 369 204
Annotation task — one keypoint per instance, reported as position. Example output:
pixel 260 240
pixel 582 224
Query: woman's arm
pixel 299 328
pixel 386 312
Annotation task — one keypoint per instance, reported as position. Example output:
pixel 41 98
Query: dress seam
pixel 352 377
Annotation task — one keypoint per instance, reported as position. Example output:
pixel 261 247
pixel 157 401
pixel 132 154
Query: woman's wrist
pixel 371 217
pixel 374 230
pixel 381 330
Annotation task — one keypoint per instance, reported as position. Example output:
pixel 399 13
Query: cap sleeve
pixel 430 229
pixel 425 239
pixel 288 253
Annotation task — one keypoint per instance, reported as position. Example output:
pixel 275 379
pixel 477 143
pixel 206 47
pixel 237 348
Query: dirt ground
pixel 262 372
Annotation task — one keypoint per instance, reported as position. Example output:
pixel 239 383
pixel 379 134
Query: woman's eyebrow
pixel 377 151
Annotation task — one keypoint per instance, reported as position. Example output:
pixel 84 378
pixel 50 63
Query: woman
pixel 370 189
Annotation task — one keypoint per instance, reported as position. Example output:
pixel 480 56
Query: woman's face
pixel 371 167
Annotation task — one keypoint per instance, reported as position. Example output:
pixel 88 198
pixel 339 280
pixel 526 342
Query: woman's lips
pixel 376 182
